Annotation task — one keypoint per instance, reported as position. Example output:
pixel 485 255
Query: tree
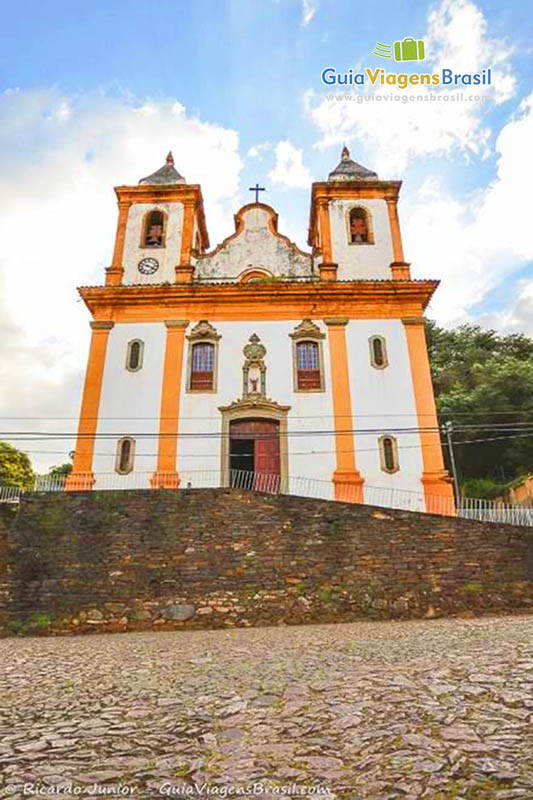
pixel 484 384
pixel 15 467
pixel 60 470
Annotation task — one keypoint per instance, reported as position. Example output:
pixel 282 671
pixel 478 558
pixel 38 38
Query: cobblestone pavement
pixel 437 709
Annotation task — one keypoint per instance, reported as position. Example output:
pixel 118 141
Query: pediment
pixel 255 245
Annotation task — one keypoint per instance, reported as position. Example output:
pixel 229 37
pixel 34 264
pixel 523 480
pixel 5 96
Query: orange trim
pixel 239 227
pixel 115 272
pixel 276 300
pixel 165 193
pixel 328 272
pixel 400 271
pixel 187 233
pixel 434 478
pixel 253 274
pixel 166 475
pixel 347 479
pixel 346 190
pixel 397 247
pixel 81 476
pixel 325 231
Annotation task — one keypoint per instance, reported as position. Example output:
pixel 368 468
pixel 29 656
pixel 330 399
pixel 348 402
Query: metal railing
pixel 384 497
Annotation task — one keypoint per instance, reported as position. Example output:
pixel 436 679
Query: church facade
pixel 256 361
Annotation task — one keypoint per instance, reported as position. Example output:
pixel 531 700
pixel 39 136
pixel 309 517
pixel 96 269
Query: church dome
pixel 168 174
pixel 348 170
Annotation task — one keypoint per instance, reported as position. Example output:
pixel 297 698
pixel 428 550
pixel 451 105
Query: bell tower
pixel 160 225
pixel 354 226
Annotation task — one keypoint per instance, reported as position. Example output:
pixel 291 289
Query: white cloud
pixel 481 241
pixel 258 150
pixel 395 130
pixel 59 160
pixel 518 317
pixel 457 39
pixel 289 168
pixel 308 11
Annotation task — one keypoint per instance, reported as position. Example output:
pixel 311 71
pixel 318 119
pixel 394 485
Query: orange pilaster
pixel 397 247
pixel 346 478
pixel 325 231
pixel 82 476
pixel 116 271
pixel 187 233
pixel 166 475
pixel 438 490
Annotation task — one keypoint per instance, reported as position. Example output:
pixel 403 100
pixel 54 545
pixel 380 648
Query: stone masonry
pixel 208 558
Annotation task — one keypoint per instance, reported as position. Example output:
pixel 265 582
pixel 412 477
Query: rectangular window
pixel 203 361
pixel 307 366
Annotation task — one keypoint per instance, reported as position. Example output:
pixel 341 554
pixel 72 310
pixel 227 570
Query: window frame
pixel 369 225
pixel 202 333
pixel 144 230
pixel 307 331
pixel 383 341
pixel 382 455
pixel 129 348
pixel 131 459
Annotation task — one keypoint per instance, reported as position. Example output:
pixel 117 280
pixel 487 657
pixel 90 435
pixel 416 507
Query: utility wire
pixel 302 453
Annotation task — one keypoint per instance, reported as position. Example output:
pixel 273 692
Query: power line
pixel 300 416
pixel 298 453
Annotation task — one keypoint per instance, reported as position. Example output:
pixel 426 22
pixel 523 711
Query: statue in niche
pixel 254 353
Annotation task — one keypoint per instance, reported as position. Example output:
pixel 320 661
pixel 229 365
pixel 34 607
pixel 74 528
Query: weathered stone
pixel 94 615
pixel 178 611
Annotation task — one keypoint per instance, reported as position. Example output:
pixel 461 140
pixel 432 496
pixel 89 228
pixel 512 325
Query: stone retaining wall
pixel 80 562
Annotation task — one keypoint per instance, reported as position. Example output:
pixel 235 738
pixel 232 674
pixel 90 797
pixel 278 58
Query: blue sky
pixel 94 95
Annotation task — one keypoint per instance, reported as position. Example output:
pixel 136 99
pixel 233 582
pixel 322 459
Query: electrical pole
pixel 448 430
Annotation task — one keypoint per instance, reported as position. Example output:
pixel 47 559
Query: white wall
pixel 361 260
pixel 383 399
pixel 167 256
pixel 130 394
pixel 255 247
pixel 199 412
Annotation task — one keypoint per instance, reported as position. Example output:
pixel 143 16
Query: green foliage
pixel 15 467
pixel 38 621
pixel 62 469
pixel 484 379
pixel 485 488
pixel 472 587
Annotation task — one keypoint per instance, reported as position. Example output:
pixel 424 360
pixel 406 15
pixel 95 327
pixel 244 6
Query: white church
pixel 256 363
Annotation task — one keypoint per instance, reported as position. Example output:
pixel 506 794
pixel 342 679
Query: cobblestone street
pixel 436 709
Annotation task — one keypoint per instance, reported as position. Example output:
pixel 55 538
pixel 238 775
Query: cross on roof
pixel 256 189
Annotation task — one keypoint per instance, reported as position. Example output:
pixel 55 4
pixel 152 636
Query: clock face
pixel 147 266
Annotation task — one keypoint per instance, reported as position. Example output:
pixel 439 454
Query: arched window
pixel 378 352
pixel 388 450
pixel 360 227
pixel 134 356
pixel 202 367
pixel 125 455
pixel 154 229
pixel 307 365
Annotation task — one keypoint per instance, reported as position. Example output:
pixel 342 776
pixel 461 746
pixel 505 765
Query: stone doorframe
pixel 254 406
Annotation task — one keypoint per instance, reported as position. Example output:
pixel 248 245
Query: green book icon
pixel 409 50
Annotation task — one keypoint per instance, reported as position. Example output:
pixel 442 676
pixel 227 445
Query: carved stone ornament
pixel 254 353
pixel 307 330
pixel 254 402
pixel 203 330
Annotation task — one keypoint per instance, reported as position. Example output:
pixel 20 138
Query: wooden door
pixel 267 462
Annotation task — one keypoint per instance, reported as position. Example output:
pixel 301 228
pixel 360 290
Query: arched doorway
pixel 254 454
